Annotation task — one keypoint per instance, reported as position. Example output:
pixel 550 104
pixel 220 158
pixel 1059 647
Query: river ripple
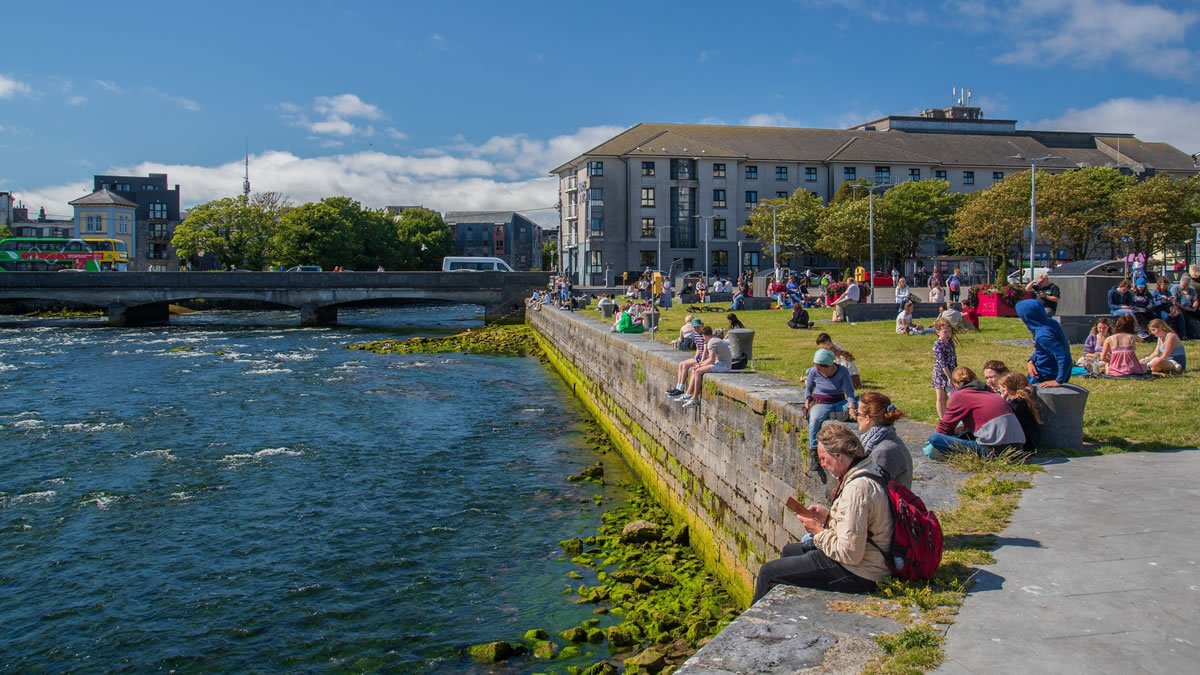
pixel 235 493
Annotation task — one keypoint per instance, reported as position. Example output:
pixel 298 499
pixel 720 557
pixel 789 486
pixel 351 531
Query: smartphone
pixel 799 509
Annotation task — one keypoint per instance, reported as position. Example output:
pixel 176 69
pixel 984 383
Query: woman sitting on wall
pixel 842 550
pixel 828 388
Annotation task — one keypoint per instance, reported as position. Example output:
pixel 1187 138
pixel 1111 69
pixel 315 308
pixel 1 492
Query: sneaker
pixel 674 391
pixel 683 399
pixel 692 403
pixel 1143 334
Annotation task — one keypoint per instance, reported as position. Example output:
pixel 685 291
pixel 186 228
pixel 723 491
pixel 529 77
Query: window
pixel 718 199
pixel 968 178
pixel 750 259
pixel 914 174
pixel 159 231
pixel 997 176
pixel 810 174
pixel 719 229
pixel 683 169
pixel 648 259
pixel 850 173
pixel 647 168
pixel 158 211
pixel 720 263
pixel 781 173
pixel 648 197
pixel 596 195
pixel 751 172
pixel 158 252
pixel 718 170
pixel 883 175
pixel 95 223
pixel 939 174
pixel 782 194
pixel 751 198
pixel 123 225
pixel 595 168
pixel 596 225
pixel 595 262
pixel 648 228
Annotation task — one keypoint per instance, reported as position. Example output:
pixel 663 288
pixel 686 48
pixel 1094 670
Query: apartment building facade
pixel 156 216
pixel 502 234
pixel 673 196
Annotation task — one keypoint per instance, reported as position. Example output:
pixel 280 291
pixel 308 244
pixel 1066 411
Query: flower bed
pixel 999 301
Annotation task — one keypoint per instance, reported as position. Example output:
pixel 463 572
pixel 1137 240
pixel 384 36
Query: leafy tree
pixel 846 191
pixel 5 233
pixel 550 254
pixel 325 233
pixel 843 232
pixel 1076 209
pixel 795 226
pixel 991 223
pixel 424 238
pixel 1157 213
pixel 909 212
pixel 235 230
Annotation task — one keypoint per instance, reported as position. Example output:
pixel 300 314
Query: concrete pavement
pixel 1098 572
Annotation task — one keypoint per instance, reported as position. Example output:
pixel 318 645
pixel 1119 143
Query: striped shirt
pixel 701 351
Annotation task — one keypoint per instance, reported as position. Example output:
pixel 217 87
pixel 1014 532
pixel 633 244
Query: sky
pixel 468 105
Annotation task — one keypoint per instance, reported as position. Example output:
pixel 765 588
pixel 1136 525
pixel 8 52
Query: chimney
pixel 42 215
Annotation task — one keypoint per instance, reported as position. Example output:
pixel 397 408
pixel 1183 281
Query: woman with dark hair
pixel 1015 389
pixel 843 550
pixel 734 322
pixel 876 426
pixel 1118 351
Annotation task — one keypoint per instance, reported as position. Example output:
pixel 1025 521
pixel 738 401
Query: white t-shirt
pixel 720 348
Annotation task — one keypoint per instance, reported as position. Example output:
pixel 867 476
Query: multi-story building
pixel 106 214
pixel 669 196
pixel 503 234
pixel 6 209
pixel 157 215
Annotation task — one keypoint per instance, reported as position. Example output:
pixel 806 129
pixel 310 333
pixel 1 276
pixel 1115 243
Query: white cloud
pixel 9 87
pixel 16 131
pixel 503 173
pixel 771 120
pixel 395 134
pixel 1159 119
pixel 880 11
pixel 76 101
pixel 108 86
pixel 1087 33
pixel 335 114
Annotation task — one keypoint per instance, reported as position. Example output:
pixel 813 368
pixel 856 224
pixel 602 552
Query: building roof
pixel 103 197
pixel 911 147
pixel 479 216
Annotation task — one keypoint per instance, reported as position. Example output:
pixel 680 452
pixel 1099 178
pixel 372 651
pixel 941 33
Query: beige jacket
pixel 861 510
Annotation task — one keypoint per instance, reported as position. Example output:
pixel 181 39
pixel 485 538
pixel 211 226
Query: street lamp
pixel 658 234
pixel 774 233
pixel 871 228
pixel 1033 202
pixel 706 221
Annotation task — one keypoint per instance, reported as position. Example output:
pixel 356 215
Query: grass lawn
pixel 1121 415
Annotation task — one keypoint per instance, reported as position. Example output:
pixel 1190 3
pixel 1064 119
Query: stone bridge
pixel 137 298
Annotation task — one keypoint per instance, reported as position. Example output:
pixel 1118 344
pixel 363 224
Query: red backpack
pixel 916 549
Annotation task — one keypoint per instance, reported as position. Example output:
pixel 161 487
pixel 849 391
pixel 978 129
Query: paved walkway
pixel 1098 572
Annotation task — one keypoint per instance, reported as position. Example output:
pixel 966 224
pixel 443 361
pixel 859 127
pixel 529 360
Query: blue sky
pixel 467 105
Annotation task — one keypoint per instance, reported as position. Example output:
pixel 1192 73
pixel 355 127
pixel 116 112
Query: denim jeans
pixel 939 445
pixel 817 414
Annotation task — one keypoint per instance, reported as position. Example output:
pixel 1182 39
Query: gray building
pixel 663 195
pixel 503 234
pixel 157 215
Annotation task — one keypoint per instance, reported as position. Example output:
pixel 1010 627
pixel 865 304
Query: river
pixel 234 493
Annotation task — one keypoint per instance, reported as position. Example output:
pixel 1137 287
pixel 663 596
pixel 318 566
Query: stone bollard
pixel 741 341
pixel 650 320
pixel 1062 415
pixel 606 310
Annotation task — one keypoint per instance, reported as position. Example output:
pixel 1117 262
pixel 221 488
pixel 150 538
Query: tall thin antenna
pixel 246 180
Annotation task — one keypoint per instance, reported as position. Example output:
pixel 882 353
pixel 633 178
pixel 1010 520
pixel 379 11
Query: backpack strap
pixel 882 481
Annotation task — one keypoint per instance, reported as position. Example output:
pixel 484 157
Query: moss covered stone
pixel 510 340
pixel 536 634
pixel 601 668
pixel 491 652
pixel 574 634
pixel 545 650
pixel 650 661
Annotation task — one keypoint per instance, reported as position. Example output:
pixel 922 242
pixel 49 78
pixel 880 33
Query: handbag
pixel 1175 312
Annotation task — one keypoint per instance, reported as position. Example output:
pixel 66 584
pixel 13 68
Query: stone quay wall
pixel 725 468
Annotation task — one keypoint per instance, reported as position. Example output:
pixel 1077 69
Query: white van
pixel 474 264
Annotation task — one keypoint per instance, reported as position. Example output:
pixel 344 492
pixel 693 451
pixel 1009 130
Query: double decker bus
pixel 37 254
pixel 114 253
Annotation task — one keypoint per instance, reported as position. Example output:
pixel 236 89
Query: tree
pixel 843 232
pixel 236 231
pixel 910 211
pixel 1157 213
pixel 425 239
pixel 846 191
pixel 795 226
pixel 325 233
pixel 1076 209
pixel 5 233
pixel 550 255
pixel 991 223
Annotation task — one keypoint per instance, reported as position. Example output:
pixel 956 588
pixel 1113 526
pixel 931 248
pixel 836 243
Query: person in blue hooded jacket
pixel 1050 365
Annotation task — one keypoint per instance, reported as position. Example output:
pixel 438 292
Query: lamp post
pixel 1033 161
pixel 871 229
pixel 706 221
pixel 740 243
pixel 774 233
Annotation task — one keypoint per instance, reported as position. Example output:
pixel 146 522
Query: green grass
pixel 1121 415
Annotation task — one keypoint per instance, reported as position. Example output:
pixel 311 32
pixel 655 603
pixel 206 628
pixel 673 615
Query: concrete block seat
pixel 1078 327
pixel 887 311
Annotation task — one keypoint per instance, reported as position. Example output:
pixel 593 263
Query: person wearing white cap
pixel 828 388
